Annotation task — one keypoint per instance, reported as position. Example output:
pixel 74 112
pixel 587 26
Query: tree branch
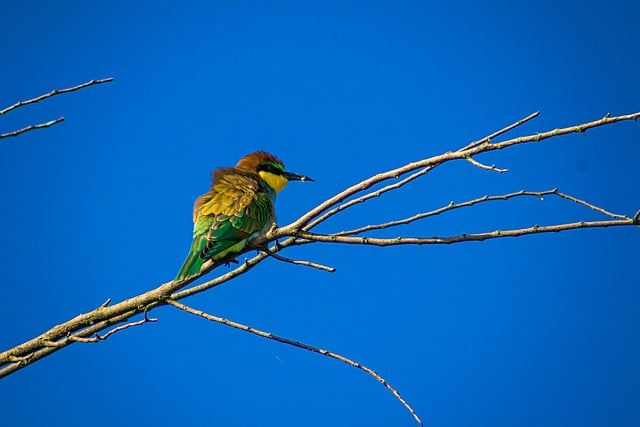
pixel 432 162
pixel 54 93
pixel 301 345
pixel 502 131
pixel 366 197
pixel 40 98
pixel 300 262
pixel 478 237
pixel 32 127
pixel 298 232
pixel 486 198
pixel 98 337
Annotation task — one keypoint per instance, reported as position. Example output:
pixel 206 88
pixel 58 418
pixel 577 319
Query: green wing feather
pixel 236 209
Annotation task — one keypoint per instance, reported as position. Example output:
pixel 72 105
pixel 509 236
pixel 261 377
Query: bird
pixel 238 207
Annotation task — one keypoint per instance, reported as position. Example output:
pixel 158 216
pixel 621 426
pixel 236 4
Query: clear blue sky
pixel 539 330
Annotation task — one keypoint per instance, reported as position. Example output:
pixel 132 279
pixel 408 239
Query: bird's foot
pixel 231 261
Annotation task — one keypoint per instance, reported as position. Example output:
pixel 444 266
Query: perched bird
pixel 238 207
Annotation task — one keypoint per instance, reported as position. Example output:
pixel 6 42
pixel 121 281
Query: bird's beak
pixel 295 177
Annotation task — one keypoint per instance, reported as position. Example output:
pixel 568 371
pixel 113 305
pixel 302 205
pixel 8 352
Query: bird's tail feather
pixel 192 264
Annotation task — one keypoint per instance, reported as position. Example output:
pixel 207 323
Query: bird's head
pixel 270 169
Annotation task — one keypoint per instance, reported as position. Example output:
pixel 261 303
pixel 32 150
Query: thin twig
pixel 376 193
pixel 449 207
pixel 437 160
pixel 32 127
pixel 589 205
pixel 375 241
pixel 298 344
pixel 410 178
pixel 501 131
pixel 54 93
pixel 300 262
pixel 98 337
pixel 452 206
pixel 428 164
pixel 217 281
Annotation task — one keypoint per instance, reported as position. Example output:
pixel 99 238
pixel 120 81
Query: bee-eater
pixel 238 207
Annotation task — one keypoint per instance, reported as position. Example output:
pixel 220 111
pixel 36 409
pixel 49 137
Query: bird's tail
pixel 193 263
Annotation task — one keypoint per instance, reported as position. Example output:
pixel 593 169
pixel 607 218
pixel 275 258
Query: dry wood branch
pixel 589 205
pixel 98 337
pixel 32 127
pixel 483 199
pixel 10 363
pixel 435 161
pixel 54 93
pixel 376 193
pixel 502 131
pixel 301 262
pixel 477 237
pixel 42 97
pixel 301 345
pixel 87 324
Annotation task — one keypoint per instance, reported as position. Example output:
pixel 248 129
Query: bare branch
pixel 300 262
pixel 87 324
pixel 331 238
pixel 298 344
pixel 606 120
pixel 589 205
pixel 435 161
pixel 31 127
pixel 54 93
pixel 243 268
pixel 98 337
pixel 376 193
pixel 452 206
pixel 33 350
pixel 449 207
pixel 502 131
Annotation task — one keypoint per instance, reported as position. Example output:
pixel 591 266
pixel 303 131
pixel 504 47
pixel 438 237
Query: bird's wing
pixel 235 208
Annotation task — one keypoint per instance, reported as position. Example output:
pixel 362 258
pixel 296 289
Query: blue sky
pixel 539 330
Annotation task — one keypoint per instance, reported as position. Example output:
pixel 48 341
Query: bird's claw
pixel 231 261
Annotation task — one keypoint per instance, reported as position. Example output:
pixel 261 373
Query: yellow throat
pixel 277 182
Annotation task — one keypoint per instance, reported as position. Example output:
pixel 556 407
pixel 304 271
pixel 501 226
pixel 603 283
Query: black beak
pixel 295 177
